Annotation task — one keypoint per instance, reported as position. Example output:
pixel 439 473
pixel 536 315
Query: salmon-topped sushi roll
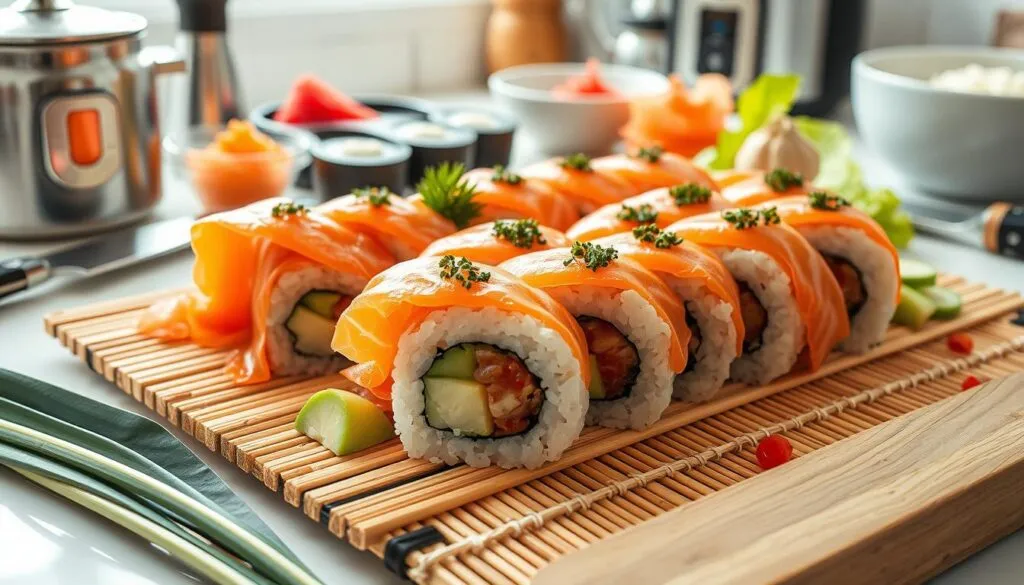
pixel 495 242
pixel 502 194
pixel 660 207
pixel 577 181
pixel 646 169
pixel 762 187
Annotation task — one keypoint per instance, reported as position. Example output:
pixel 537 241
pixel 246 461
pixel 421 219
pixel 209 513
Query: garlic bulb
pixel 778 144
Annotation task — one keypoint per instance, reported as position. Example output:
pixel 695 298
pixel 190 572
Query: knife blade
pixel 98 255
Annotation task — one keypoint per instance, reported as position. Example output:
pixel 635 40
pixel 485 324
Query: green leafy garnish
pixel 769 216
pixel 780 180
pixel 741 219
pixel 652 234
pixel 643 213
pixel 689 193
pixel 461 270
pixel 376 196
pixel 577 162
pixel 827 201
pixel 650 154
pixel 768 97
pixel 288 209
pixel 445 191
pixel 593 256
pixel 503 175
pixel 522 233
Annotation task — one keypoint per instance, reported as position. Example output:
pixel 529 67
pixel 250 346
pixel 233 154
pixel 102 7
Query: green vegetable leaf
pixel 768 97
pixel 444 190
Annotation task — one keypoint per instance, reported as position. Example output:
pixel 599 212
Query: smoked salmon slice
pixel 762 187
pixel 487 245
pixel 662 207
pixel 651 168
pixel 505 195
pixel 576 180
pixel 681 120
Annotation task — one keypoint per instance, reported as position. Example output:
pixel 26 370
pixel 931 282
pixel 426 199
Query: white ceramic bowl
pixel 948 143
pixel 558 126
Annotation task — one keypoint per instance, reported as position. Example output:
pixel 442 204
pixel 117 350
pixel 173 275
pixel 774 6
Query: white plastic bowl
pixel 559 126
pixel 953 144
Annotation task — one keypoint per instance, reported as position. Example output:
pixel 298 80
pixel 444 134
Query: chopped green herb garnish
pixel 780 180
pixel 376 196
pixel 741 219
pixel 445 191
pixel 461 270
pixel 503 175
pixel 643 213
pixel 578 162
pixel 593 256
pixel 652 234
pixel 287 209
pixel 689 194
pixel 522 233
pixel 827 201
pixel 769 216
pixel 651 154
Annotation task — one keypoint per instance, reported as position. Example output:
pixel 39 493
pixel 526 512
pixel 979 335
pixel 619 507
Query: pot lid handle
pixel 42 5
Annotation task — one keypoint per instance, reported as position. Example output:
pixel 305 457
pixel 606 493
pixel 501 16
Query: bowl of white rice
pixel 949 120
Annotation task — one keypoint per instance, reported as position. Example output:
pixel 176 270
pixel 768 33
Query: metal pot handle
pixel 162 59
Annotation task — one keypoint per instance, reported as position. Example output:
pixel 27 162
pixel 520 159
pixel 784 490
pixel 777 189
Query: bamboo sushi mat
pixel 475 526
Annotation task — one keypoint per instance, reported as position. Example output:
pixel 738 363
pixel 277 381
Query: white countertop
pixel 25 348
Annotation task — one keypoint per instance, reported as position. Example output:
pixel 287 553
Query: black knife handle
pixel 1004 229
pixel 17 274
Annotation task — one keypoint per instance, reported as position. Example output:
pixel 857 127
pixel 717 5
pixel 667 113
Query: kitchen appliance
pixel 97 256
pixel 79 134
pixel 208 94
pixel 815 39
pixel 641 44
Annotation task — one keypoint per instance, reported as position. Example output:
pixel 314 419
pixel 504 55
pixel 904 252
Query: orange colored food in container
pixel 683 121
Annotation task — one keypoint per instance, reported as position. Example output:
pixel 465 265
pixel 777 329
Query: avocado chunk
pixel 596 388
pixel 343 422
pixel 914 308
pixel 312 332
pixel 322 302
pixel 459 405
pixel 456 362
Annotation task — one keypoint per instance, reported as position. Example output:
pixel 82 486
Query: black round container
pixel 335 173
pixel 455 146
pixel 494 141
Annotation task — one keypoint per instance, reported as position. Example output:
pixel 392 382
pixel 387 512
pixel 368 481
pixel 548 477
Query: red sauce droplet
pixel 960 343
pixel 969 382
pixel 774 451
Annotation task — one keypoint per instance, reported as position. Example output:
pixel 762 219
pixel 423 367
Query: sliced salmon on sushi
pixel 403 227
pixel 497 241
pixel 760 188
pixel 711 298
pixel 646 169
pixel 501 194
pixel 789 299
pixel 479 366
pixel 862 258
pixel 660 207
pixel 271 279
pixel 576 180
pixel 634 324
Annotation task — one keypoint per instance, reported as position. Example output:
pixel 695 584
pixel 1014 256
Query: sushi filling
pixel 614 360
pixel 755 318
pixel 479 390
pixel 694 346
pixel 850 280
pixel 312 320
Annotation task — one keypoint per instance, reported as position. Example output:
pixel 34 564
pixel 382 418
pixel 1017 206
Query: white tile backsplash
pixel 936 22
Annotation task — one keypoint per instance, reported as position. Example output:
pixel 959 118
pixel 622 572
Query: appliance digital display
pixel 717 41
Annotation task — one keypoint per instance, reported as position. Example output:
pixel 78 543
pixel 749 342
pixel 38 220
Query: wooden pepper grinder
pixel 525 31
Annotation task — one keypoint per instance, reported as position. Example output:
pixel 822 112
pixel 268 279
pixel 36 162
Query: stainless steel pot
pixel 79 132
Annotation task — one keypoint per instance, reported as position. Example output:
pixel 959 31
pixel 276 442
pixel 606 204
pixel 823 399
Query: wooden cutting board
pixel 897 503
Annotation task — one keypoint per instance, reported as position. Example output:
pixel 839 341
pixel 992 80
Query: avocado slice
pixel 914 308
pixel 322 302
pixel 947 302
pixel 343 422
pixel 459 405
pixel 312 332
pixel 456 362
pixel 596 388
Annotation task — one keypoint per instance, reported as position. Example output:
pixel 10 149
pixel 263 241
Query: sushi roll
pixel 789 299
pixel 497 241
pixel 860 255
pixel 502 194
pixel 272 277
pixel 634 325
pixel 646 169
pixel 575 179
pixel 478 366
pixel 759 188
pixel 661 207
pixel 711 298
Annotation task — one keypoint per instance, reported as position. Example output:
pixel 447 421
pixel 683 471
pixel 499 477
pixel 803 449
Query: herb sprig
pixel 779 180
pixel 650 154
pixel 652 234
pixel 827 201
pixel 462 271
pixel 643 213
pixel 689 194
pixel 446 192
pixel 503 175
pixel 745 218
pixel 287 209
pixel 521 233
pixel 770 216
pixel 375 196
pixel 576 162
pixel 593 256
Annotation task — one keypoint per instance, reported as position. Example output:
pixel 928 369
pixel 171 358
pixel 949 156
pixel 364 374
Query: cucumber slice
pixel 947 302
pixel 456 362
pixel 914 308
pixel 313 332
pixel 322 302
pixel 343 422
pixel 459 405
pixel 916 273
pixel 596 388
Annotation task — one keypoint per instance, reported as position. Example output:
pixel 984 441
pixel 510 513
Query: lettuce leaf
pixel 769 96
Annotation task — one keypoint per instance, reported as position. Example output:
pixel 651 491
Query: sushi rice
pixel 717 348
